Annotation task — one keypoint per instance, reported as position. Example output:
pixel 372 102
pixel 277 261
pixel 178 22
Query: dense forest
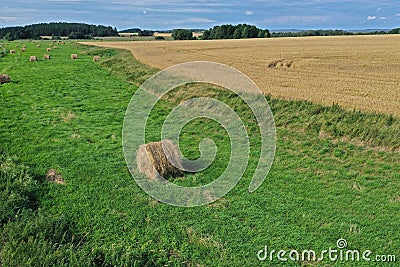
pixel 394 31
pixel 139 32
pixel 239 31
pixel 182 34
pixel 324 33
pixel 56 29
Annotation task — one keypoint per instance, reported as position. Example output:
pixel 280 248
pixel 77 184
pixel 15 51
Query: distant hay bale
pixel 50 45
pixel 4 78
pixel 24 46
pixel 152 158
pixel 54 176
pixel 46 57
pixel 23 49
pixel 55 47
pixel 74 56
pixel 37 45
pixel 12 51
pixel 33 58
pixel 96 59
pixel 16 46
pixel 48 49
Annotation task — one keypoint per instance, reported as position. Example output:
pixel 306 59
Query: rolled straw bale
pixel 153 158
pixel 4 78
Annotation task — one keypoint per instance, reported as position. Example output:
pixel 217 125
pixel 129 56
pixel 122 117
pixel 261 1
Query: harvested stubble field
pixel 356 72
pixel 67 197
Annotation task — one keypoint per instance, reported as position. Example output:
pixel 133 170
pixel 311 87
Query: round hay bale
pixel 55 47
pixel 46 57
pixel 53 176
pixel 12 51
pixel 4 78
pixel 33 58
pixel 37 45
pixel 23 49
pixel 74 56
pixel 48 49
pixel 96 59
pixel 154 160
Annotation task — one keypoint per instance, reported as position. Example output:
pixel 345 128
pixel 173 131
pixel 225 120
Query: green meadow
pixel 336 174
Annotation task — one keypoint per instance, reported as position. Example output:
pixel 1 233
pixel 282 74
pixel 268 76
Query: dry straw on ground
pixel 155 158
pixel 54 176
pixel 360 72
pixel 4 78
pixel 33 58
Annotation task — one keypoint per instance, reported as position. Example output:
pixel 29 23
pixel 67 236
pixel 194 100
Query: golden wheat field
pixel 357 72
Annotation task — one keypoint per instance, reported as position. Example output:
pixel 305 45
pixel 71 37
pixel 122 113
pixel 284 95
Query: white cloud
pixel 200 20
pixel 191 20
pixel 398 15
pixel 371 18
pixel 145 12
pixel 249 13
pixel 383 18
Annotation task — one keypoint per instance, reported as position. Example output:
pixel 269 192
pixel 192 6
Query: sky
pixel 171 14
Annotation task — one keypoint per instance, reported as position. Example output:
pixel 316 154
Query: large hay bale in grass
pixel 55 47
pixel 33 58
pixel 48 49
pixel 53 176
pixel 46 57
pixel 153 158
pixel 37 45
pixel 23 49
pixel 4 78
pixel 74 56
pixel 96 59
pixel 12 51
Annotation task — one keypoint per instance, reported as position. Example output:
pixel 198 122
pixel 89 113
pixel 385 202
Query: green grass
pixel 68 115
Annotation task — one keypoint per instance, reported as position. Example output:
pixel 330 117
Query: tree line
pixel 240 31
pixel 139 32
pixel 328 33
pixel 72 30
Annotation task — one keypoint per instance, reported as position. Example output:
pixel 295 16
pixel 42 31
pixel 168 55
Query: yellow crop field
pixel 357 72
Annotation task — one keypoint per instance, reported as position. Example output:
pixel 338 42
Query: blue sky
pixel 161 14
